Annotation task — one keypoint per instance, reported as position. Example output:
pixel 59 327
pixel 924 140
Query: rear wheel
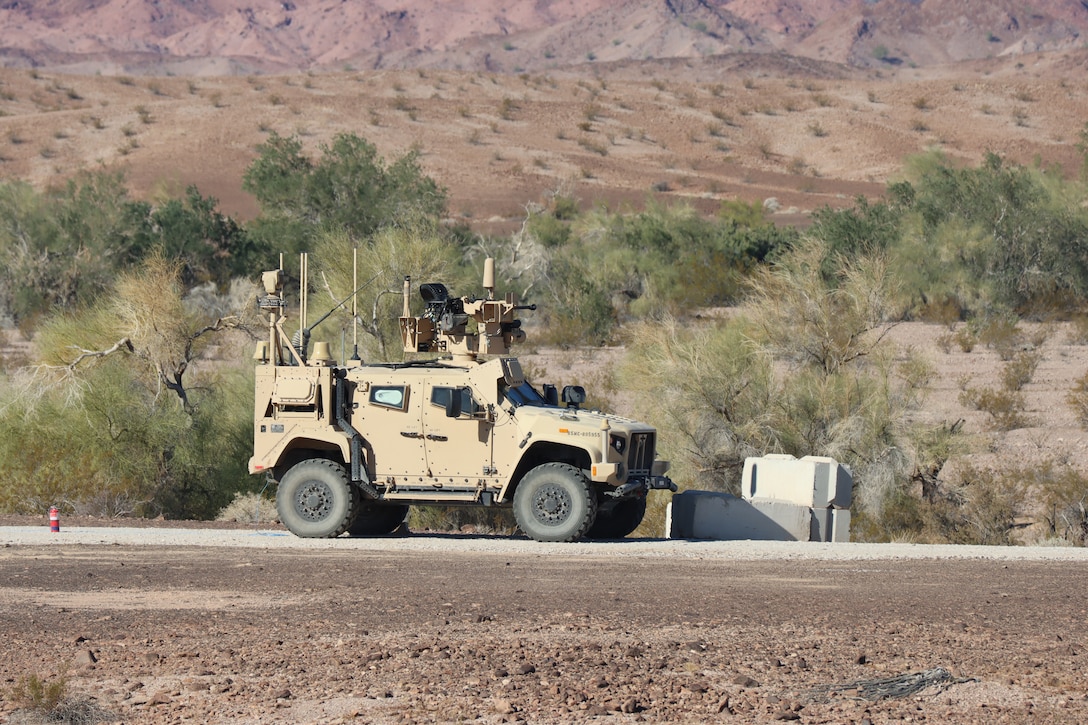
pixel 374 519
pixel 622 520
pixel 554 502
pixel 316 500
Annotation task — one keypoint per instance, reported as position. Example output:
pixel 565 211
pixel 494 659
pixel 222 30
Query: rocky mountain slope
pixel 216 37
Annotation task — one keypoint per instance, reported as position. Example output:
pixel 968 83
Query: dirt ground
pixel 169 634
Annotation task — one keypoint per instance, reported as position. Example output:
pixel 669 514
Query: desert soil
pixel 429 628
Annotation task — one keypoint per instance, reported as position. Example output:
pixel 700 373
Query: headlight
pixel 618 443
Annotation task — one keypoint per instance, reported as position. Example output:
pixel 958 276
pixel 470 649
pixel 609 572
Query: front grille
pixel 640 456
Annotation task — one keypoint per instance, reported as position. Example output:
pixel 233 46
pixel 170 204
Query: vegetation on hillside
pixel 136 401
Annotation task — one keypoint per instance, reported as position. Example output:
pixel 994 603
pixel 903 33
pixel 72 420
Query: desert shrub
pixel 1001 334
pixel 866 228
pixel 250 508
pixel 962 337
pixel 802 368
pixel 36 699
pixel 350 187
pixel 1077 399
pixel 145 429
pixel 999 236
pixel 1019 371
pixel 981 507
pixel 31 692
pixel 668 260
pixel 1005 407
pixel 60 249
pixel 417 249
pixel 549 230
pixel 466 519
pixel 966 339
pixel 975 506
pixel 1078 332
pixel 1062 495
pixel 1027 248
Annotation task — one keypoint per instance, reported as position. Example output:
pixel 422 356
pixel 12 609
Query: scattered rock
pixel 84 658
pixel 504 707
pixel 745 681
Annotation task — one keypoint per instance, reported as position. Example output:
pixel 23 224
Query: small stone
pixel 786 715
pixel 504 707
pixel 745 681
pixel 629 706
pixel 85 658
pixel 862 660
pixel 526 669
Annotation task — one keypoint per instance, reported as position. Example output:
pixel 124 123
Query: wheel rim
pixel 552 505
pixel 314 501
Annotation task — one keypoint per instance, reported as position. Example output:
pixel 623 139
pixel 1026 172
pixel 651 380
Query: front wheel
pixel 315 500
pixel 623 519
pixel 554 502
pixel 377 519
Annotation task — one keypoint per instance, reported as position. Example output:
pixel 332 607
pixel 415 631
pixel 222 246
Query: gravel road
pixel 169 625
pixel 466 544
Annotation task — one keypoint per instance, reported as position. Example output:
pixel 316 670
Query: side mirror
pixel 551 394
pixel 453 404
pixel 574 395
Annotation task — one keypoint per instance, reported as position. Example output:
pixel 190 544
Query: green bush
pixel 350 188
pixel 801 368
pixel 118 420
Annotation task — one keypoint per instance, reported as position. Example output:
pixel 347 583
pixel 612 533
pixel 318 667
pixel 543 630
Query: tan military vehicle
pixel 353 445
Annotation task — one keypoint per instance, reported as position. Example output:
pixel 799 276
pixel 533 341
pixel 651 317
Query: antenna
pixel 302 340
pixel 355 303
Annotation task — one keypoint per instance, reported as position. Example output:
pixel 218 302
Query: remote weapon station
pixel 352 445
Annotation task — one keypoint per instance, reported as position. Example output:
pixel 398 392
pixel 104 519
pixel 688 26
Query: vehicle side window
pixel 441 396
pixel 389 396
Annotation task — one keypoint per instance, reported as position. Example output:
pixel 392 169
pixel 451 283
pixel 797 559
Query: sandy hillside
pixel 747 127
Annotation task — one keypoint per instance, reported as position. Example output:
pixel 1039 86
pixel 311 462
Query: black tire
pixel 374 519
pixel 554 502
pixel 315 500
pixel 623 519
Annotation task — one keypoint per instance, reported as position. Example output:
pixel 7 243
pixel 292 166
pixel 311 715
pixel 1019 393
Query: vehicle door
pixel 459 448
pixel 389 415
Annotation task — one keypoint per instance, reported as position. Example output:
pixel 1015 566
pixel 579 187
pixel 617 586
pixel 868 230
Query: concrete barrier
pixel 813 481
pixel 783 499
pixel 830 525
pixel 723 516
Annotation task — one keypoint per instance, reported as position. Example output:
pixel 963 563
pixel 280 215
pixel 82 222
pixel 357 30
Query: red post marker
pixel 54 519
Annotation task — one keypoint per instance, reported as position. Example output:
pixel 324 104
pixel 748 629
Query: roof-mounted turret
pixel 464 327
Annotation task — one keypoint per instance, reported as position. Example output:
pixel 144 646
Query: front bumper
pixel 642 486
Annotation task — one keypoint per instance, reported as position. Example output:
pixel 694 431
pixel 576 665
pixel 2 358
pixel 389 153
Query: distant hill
pixel 224 37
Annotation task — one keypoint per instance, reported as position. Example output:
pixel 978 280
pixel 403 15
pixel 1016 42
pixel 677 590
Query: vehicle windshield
pixel 524 394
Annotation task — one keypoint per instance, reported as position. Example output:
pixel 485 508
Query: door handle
pixel 437 438
pixel 411 434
